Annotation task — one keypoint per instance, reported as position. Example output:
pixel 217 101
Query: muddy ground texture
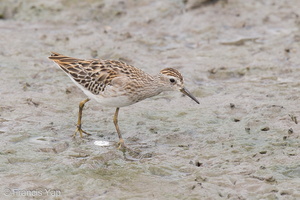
pixel 239 58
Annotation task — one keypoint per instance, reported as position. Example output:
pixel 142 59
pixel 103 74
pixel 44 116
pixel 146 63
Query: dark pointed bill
pixel 186 92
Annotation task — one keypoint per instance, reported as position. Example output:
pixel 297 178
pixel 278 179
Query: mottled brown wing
pixel 94 75
pixel 91 74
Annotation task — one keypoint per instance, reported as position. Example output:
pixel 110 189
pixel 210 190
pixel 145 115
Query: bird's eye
pixel 172 80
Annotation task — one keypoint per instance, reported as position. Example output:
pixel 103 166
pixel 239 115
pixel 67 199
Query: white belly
pixel 117 101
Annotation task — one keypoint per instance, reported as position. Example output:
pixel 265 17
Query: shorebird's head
pixel 173 80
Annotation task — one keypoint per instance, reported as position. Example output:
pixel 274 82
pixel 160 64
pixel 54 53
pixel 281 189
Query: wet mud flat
pixel 239 58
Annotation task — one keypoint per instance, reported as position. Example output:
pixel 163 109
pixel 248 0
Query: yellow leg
pixel 121 144
pixel 78 129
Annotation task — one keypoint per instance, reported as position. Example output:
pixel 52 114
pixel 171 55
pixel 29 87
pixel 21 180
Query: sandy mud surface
pixel 239 58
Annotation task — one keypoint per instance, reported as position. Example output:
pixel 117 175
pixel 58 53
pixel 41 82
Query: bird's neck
pixel 151 86
pixel 156 85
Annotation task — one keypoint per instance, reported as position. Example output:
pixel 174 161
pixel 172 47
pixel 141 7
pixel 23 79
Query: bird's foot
pixel 121 145
pixel 128 153
pixel 80 131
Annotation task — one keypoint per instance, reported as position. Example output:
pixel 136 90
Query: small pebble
pixel 263 152
pixel 247 129
pixel 198 164
pixel 284 137
pixel 265 129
